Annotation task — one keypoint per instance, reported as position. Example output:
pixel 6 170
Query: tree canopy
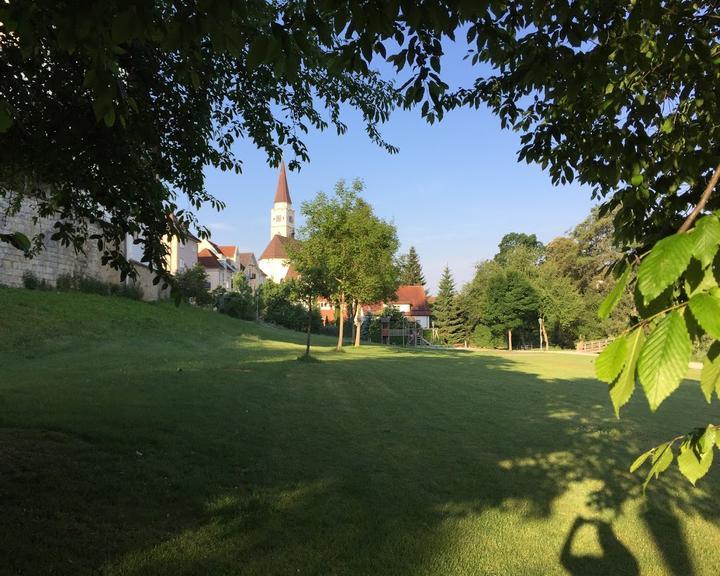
pixel 345 251
pixel 411 272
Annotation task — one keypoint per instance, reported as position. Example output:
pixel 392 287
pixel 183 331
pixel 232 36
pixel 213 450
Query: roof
pixel 282 193
pixel 246 259
pixel 413 295
pixel 406 294
pixel 276 248
pixel 228 251
pixel 207 259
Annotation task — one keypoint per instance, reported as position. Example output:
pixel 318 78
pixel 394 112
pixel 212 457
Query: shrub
pixel 278 305
pixel 89 285
pixel 66 283
pixel 482 337
pixel 192 285
pixel 29 280
pixel 32 282
pixel 236 305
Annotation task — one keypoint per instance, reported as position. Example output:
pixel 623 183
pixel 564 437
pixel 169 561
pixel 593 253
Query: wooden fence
pixel 593 345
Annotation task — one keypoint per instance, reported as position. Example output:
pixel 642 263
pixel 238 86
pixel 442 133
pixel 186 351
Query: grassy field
pixel 146 439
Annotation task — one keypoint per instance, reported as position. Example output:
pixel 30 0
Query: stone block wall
pixel 54 260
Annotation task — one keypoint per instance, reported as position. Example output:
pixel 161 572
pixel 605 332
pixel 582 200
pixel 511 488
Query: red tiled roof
pixel 412 295
pixel 276 248
pixel 246 259
pixel 207 259
pixel 228 251
pixel 282 193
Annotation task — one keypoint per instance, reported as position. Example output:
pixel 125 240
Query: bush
pixel 482 337
pixel 278 305
pixel 89 285
pixel 32 282
pixel 192 285
pixel 65 283
pixel 236 305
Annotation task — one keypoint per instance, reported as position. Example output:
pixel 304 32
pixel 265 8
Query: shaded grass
pixel 147 439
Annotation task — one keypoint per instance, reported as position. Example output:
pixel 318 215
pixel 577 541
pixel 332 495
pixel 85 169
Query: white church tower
pixel 274 260
pixel 282 215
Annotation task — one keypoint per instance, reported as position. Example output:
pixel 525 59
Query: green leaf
pixel 636 179
pixel 640 460
pixel 706 310
pixel 707 440
pixel 710 375
pixel 692 463
pixel 667 125
pixel 109 117
pixel 706 236
pixel 664 358
pixel 18 240
pixel 612 299
pixel 698 279
pixel 661 459
pixel 611 360
pixel 666 262
pixel 6 119
pixel 622 389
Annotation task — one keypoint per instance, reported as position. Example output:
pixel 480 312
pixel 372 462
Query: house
pixel 253 273
pixel 273 261
pixel 181 255
pixel 411 301
pixel 246 262
pixel 219 268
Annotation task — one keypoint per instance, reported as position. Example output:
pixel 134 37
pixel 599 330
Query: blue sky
pixel 453 191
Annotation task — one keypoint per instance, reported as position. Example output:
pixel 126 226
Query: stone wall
pixel 54 260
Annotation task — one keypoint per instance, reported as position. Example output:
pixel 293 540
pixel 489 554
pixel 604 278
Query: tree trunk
pixel 358 323
pixel 341 326
pixel 510 340
pixel 309 325
pixel 547 341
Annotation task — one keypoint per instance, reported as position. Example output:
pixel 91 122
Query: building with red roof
pixel 411 301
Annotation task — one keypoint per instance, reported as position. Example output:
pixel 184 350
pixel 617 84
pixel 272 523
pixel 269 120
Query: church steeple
pixel 282 215
pixel 282 192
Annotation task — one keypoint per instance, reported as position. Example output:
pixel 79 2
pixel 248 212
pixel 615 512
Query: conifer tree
pixel 410 269
pixel 446 310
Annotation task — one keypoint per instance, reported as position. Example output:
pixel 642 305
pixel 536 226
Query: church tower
pixel 282 215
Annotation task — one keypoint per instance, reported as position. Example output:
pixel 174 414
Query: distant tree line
pixel 530 293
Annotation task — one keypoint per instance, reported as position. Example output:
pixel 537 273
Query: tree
pixel 447 313
pixel 411 273
pixel 349 251
pixel 511 303
pixel 526 249
pixel 110 111
pixel 192 285
pixel 308 258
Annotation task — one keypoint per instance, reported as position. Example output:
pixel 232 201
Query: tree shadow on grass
pixel 356 466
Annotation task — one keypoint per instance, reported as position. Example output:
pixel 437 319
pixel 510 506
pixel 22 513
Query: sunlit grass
pixel 148 439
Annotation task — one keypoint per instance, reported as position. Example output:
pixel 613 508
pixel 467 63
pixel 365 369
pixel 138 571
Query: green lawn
pixel 147 439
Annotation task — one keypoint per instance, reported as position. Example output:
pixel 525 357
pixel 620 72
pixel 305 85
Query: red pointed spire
pixel 282 194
